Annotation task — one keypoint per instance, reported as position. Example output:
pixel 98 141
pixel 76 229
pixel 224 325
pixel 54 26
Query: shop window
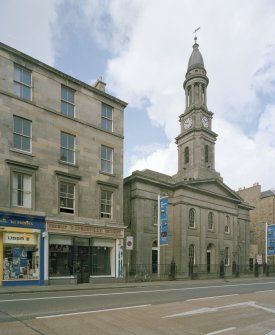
pixel 67 197
pixel 101 261
pixel 21 256
pixel 60 256
pixel 60 260
pixel 21 190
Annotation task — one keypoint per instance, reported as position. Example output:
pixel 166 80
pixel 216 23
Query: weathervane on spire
pixel 195 32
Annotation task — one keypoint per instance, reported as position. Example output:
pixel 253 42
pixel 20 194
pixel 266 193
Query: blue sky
pixel 142 47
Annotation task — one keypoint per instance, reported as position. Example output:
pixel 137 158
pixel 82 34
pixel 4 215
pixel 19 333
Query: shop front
pixel 82 253
pixel 21 249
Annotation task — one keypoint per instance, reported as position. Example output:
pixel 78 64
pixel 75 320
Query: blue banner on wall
pixel 163 221
pixel 270 239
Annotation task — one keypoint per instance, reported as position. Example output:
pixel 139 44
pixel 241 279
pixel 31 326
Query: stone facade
pixel 263 213
pixel 208 223
pixel 43 161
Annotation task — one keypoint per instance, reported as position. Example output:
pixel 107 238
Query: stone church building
pixel 208 223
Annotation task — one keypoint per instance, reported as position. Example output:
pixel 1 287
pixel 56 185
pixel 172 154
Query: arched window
pixel 191 254
pixel 192 218
pixel 186 155
pixel 206 153
pixel 227 225
pixel 210 221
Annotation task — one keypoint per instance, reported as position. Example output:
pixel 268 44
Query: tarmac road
pixel 244 306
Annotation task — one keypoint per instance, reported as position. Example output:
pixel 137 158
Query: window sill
pixel 22 152
pixel 107 173
pixel 68 163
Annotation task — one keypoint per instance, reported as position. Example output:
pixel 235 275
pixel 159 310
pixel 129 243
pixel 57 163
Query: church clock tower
pixel 196 142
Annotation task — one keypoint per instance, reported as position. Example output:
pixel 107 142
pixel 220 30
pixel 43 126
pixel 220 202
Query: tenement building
pixel 261 216
pixel 208 223
pixel 61 176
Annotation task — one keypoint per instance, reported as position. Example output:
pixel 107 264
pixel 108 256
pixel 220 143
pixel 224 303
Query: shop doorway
pixel 82 260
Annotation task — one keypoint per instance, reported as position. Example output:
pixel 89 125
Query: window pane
pixel 70 142
pixel 63 93
pixel 63 140
pixel 17 89
pixel 26 128
pixel 63 155
pixel 17 74
pixel 70 156
pixel 70 203
pixel 26 92
pixel 17 141
pixel 17 125
pixel 25 144
pixel 26 77
pixel 71 96
pixel 63 187
pixel 70 188
pixel 70 110
pixel 64 107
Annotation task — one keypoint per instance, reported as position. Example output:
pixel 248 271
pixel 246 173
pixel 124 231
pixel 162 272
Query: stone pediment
pixel 213 187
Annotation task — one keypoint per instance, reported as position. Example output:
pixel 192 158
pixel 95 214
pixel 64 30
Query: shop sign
pixel 85 230
pixel 21 220
pixel 17 238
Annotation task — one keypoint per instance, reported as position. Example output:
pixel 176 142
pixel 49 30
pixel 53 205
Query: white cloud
pixel 151 42
pixel 161 159
pixel 26 26
pixel 237 44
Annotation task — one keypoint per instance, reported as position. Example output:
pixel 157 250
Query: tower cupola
pixel 195 59
pixel 196 80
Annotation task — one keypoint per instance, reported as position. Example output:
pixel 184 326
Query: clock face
pixel 187 123
pixel 204 121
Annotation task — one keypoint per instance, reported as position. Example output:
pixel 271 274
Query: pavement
pixel 125 284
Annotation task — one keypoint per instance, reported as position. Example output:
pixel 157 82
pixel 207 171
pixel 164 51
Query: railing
pixel 147 272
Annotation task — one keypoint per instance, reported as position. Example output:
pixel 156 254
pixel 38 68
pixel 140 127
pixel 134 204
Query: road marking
pixel 214 297
pixel 265 291
pixel 222 331
pixel 133 292
pixel 270 310
pixel 210 309
pixel 91 312
pixel 216 309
